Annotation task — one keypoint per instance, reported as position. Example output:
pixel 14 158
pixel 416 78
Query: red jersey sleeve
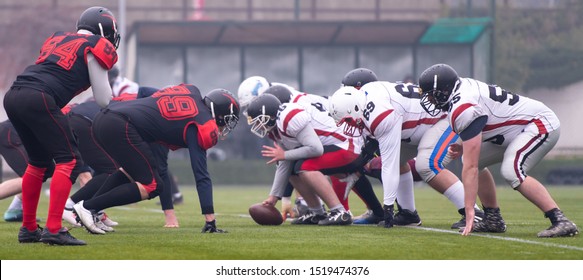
pixel 105 53
pixel 208 134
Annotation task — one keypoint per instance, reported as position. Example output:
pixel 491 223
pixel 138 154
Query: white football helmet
pixel 249 89
pixel 347 106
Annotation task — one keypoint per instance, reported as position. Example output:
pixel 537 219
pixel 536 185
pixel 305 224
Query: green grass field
pixel 141 236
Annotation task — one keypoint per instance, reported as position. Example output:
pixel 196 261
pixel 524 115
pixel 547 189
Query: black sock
pixel 122 195
pixel 363 188
pixel 90 189
pixel 116 179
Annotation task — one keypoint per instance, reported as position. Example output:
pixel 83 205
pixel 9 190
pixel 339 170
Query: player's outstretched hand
pixel 211 227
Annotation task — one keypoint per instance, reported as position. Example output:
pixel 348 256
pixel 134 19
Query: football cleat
pixel 462 222
pixel 406 218
pixel 367 218
pixel 25 236
pixel 337 218
pixel 492 222
pixel 561 226
pixel 70 217
pixel 87 218
pixel 63 237
pixel 310 218
pixel 106 220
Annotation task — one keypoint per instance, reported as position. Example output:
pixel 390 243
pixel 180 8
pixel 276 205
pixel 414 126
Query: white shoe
pixel 86 218
pixel 103 227
pixel 69 217
pixel 106 220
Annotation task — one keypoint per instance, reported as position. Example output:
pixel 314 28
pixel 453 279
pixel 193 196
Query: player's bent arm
pixel 311 145
pixel 99 81
pixel 281 178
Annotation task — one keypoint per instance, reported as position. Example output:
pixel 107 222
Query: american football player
pixel 496 126
pixel 68 64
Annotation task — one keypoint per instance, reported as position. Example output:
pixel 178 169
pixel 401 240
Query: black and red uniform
pixel 33 105
pixel 176 117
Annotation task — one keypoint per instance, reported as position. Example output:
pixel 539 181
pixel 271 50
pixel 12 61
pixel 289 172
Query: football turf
pixel 141 235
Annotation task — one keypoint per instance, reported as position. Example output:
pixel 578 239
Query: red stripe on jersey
pixel 458 112
pixel 508 123
pixel 378 120
pixel 288 118
pixel 328 133
pixel 298 97
pixel 413 124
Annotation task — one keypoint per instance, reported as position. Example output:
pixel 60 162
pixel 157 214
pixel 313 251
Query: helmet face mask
pixel 100 21
pixel 262 114
pixel 261 125
pixel 437 83
pixel 346 108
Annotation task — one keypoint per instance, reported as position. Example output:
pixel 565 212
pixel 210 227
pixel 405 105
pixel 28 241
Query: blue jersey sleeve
pixel 198 163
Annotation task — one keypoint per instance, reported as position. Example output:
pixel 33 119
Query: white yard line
pixel 504 238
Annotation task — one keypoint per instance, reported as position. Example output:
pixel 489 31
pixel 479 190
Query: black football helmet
pixel 262 114
pixel 100 21
pixel 437 83
pixel 359 77
pixel 281 92
pixel 224 108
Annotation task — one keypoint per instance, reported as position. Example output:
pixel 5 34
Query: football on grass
pixel 266 215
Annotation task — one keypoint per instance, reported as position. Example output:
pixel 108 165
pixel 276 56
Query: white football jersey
pixel 507 113
pixel 123 85
pixel 317 101
pixel 397 105
pixel 393 114
pixel 293 117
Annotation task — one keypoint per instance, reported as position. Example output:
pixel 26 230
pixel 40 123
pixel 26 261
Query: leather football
pixel 265 215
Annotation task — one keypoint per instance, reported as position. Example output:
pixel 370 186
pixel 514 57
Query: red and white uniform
pixel 394 116
pixel 519 130
pixel 339 149
pixel 123 85
pixel 320 102
pixel 294 117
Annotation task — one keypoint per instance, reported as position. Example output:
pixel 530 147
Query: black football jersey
pixel 165 116
pixel 61 68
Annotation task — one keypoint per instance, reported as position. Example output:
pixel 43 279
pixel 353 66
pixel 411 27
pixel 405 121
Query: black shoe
pixel 492 222
pixel 63 237
pixel 25 236
pixel 309 218
pixel 406 218
pixel 389 216
pixel 337 218
pixel 561 226
pixel 479 216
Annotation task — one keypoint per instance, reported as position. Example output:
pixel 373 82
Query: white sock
pixel 318 210
pixel 405 193
pixel 69 204
pixel 455 194
pixel 16 203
